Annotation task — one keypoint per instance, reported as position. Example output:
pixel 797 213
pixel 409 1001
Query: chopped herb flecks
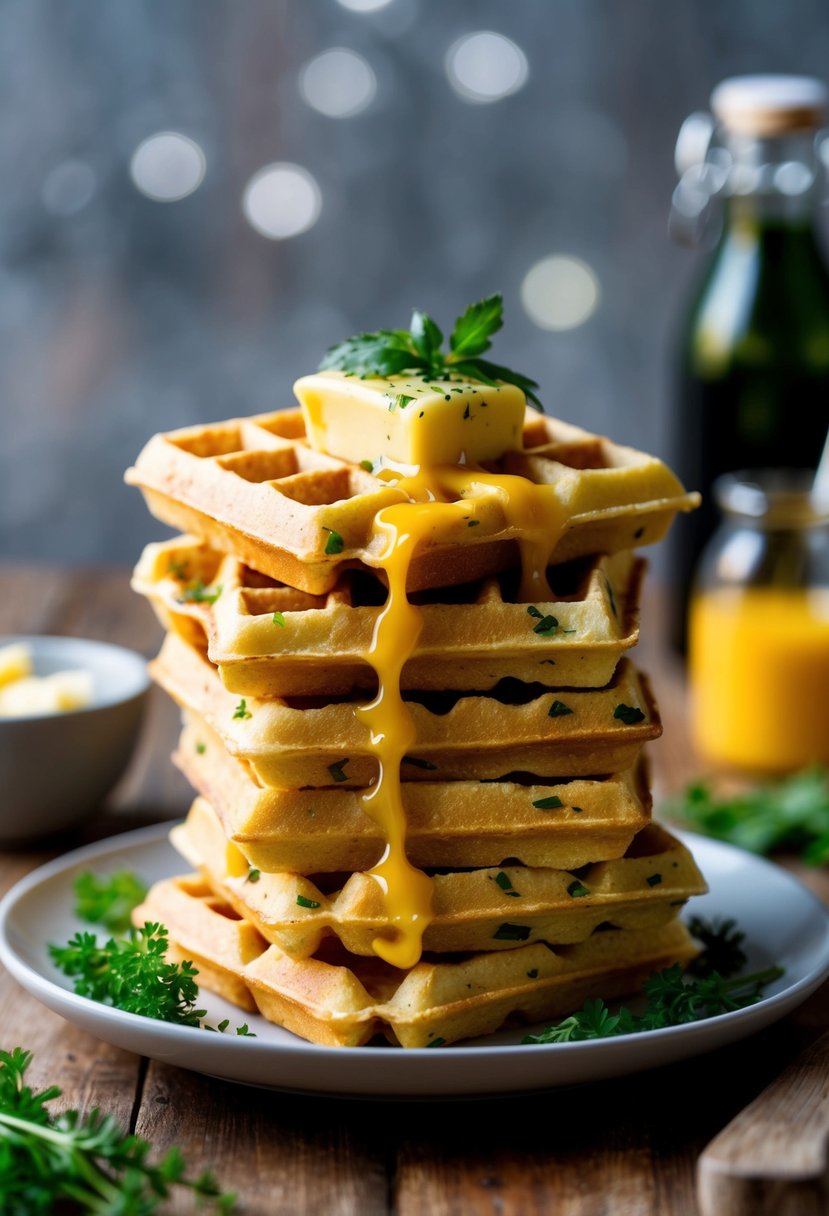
pixel 436 1042
pixel 335 543
pixel 304 902
pixel 337 770
pixel 547 626
pixel 241 710
pixel 548 804
pixel 505 883
pixel 197 593
pixel 279 619
pixel 253 875
pixel 416 762
pixel 512 933
pixel 558 710
pixel 653 880
pixel 201 748
pixel 577 889
pixel 629 714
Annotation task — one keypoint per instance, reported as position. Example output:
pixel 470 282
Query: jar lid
pixel 764 106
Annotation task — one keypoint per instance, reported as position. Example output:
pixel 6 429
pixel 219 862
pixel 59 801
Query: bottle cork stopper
pixel 765 106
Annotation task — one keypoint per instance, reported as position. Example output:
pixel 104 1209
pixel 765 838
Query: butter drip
pixel 439 498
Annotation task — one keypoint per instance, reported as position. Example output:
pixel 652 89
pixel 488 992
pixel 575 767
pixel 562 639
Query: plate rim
pixel 789 996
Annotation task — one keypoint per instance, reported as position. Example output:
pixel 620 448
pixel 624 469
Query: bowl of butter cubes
pixel 70 716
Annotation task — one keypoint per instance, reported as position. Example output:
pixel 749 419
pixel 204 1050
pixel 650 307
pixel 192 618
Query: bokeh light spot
pixel 338 83
pixel 364 6
pixel 486 66
pixel 282 200
pixel 560 292
pixel 168 166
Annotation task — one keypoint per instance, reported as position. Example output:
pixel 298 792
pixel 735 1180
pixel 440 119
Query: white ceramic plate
pixel 784 923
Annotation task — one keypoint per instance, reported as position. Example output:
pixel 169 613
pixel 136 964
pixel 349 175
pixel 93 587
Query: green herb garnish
pixel 83 1163
pixel 197 593
pixel 505 883
pixel 417 350
pixel 653 880
pixel 472 523
pixel 201 748
pixel 131 973
pixel 108 901
pixel 792 814
pixel 334 543
pixel 558 710
pixel 337 770
pixel 399 401
pixel 722 947
pixel 278 619
pixel 241 710
pixel 577 889
pixel 548 804
pixel 546 626
pixel 673 999
pixel 253 875
pixel 416 762
pixel 179 568
pixel 533 975
pixel 629 714
pixel 512 933
pixel 304 902
pixel 368 465
pixel 438 1042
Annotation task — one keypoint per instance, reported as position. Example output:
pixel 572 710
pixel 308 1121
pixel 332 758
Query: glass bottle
pixel 759 627
pixel 754 360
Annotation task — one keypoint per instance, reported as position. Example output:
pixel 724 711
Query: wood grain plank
pixel 282 1154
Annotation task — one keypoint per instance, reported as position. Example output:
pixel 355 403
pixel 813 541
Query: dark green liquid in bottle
pixel 754 370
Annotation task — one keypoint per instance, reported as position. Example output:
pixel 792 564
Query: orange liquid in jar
pixel 759 670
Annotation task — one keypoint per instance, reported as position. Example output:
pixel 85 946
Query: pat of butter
pixel 58 693
pixel 15 663
pixel 409 420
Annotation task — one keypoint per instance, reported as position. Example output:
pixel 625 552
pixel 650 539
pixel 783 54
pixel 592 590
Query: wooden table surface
pixel 622 1148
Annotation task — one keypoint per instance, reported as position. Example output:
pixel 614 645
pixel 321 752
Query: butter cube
pixel 15 663
pixel 410 420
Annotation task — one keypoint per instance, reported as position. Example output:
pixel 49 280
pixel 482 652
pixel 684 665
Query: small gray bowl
pixel 56 769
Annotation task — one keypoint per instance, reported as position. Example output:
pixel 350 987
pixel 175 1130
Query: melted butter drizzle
pixel 439 502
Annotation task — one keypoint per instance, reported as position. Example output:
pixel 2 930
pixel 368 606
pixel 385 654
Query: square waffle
pixel 346 1000
pixel 254 488
pixel 474 910
pixel 299 742
pixel 268 639
pixel 563 824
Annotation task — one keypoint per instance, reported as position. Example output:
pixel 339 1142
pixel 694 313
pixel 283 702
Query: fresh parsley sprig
pixel 418 350
pixel 132 973
pixel 675 997
pixel 108 901
pixel 792 814
pixel 129 972
pixel 82 1163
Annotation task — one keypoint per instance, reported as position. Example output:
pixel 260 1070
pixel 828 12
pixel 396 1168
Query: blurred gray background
pixel 200 195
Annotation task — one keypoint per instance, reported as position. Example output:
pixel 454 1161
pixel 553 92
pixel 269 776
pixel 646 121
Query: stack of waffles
pixel 525 790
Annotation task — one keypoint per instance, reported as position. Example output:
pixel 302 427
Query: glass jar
pixel 752 361
pixel 759 627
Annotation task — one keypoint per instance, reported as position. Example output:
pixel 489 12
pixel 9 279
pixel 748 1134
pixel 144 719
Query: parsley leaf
pixel 337 770
pixel 548 804
pixel 82 1162
pixel 418 350
pixel 335 543
pixel 629 714
pixel 675 998
pixel 197 593
pixel 279 619
pixel 558 710
pixel 791 814
pixel 242 711
pixel 304 902
pixel 108 901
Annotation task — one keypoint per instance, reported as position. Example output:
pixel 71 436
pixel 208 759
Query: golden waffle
pixel 345 1000
pixel 316 645
pixel 459 823
pixel 298 742
pixel 255 489
pixel 474 910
